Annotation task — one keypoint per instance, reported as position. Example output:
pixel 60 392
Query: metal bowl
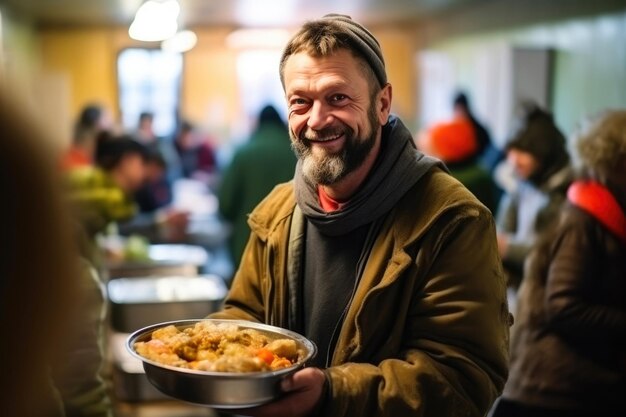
pixel 227 390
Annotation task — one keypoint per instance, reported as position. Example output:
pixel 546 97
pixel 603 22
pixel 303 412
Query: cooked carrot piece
pixel 266 355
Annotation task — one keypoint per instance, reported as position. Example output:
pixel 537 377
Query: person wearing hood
pixel 373 251
pixel 538 155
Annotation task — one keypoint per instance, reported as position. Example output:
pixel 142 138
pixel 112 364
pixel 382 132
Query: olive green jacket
pixel 427 331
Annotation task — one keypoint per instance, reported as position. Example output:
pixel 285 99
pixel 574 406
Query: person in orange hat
pixel 454 142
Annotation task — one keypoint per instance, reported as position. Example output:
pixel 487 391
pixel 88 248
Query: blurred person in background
pixel 156 192
pixel 373 251
pixel 106 195
pixel 196 154
pixel 51 304
pixel 145 129
pixel 487 153
pixel 157 220
pixel 103 194
pixel 568 355
pixel 93 119
pixel 455 144
pixel 186 147
pixel 207 161
pixel 265 161
pixel 538 155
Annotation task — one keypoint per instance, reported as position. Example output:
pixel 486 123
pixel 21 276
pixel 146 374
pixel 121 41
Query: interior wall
pixel 209 95
pixel 589 72
pixel 46 97
pixel 85 60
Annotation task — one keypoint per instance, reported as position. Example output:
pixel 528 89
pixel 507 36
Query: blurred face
pixel 523 163
pixel 131 172
pixel 334 124
pixel 105 122
pixel 186 139
pixel 154 172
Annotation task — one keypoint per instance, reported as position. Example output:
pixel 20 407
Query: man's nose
pixel 319 117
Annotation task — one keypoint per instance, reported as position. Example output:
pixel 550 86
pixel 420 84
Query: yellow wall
pixel 87 57
pixel 209 90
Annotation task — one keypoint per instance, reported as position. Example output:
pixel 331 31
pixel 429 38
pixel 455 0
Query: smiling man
pixel 373 251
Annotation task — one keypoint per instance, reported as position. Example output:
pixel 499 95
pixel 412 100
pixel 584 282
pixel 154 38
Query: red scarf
pixel 597 200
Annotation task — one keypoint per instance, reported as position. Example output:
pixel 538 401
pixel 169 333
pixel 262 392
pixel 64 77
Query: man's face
pixel 523 163
pixel 333 122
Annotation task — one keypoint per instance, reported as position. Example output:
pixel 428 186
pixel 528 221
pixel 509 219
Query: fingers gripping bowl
pixel 219 363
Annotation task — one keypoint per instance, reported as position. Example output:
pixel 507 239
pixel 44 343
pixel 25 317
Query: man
pixel 373 251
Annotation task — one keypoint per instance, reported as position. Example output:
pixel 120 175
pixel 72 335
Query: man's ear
pixel 383 104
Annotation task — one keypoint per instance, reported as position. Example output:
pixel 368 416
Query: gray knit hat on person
pixel 361 39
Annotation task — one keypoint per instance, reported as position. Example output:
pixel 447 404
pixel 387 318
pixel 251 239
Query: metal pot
pixel 227 390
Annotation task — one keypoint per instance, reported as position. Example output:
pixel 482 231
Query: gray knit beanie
pixel 363 42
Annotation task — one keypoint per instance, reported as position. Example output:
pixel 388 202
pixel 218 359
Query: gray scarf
pixel 398 167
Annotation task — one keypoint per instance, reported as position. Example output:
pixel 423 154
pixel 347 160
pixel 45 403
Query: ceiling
pixel 244 13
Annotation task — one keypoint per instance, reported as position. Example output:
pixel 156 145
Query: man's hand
pixel 302 392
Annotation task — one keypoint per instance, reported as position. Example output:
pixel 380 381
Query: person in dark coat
pixel 568 346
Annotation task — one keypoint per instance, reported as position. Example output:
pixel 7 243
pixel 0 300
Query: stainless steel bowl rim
pixel 145 331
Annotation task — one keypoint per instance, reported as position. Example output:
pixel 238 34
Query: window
pixel 149 80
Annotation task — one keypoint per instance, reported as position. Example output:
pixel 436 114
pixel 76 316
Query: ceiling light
pixel 181 42
pixel 155 21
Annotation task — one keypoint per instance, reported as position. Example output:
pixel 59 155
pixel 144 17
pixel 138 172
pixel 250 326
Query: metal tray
pixel 140 301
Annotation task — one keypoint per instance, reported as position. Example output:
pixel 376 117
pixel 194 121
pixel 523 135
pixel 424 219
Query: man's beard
pixel 328 169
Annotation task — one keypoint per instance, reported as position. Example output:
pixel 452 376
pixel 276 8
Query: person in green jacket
pixel 263 162
pixel 373 251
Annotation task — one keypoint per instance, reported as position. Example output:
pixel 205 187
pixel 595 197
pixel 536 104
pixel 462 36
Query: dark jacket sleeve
pixel 573 273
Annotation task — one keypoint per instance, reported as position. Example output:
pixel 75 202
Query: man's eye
pixel 338 98
pixel 298 102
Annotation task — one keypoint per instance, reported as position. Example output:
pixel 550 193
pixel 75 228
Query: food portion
pixel 221 347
